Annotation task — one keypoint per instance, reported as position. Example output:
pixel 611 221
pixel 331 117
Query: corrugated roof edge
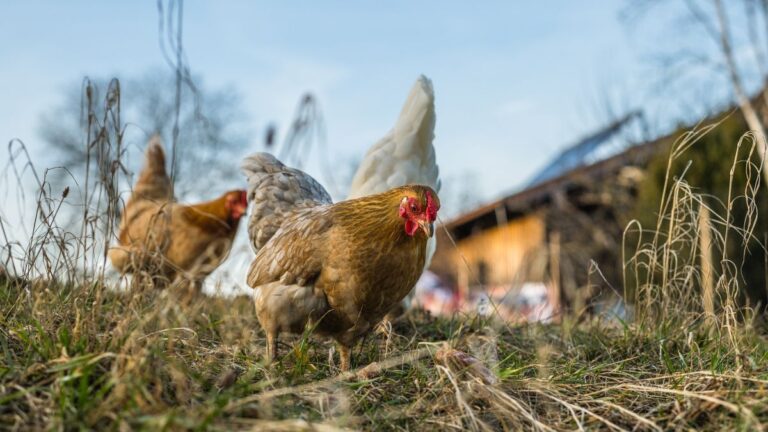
pixel 586 146
pixel 520 198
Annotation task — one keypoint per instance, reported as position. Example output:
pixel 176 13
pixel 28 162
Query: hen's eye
pixel 413 207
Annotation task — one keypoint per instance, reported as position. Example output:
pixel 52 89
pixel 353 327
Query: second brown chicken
pixel 169 241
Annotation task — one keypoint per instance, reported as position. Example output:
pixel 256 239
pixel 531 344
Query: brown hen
pixel 172 242
pixel 341 266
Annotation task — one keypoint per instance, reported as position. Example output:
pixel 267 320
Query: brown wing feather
pixel 295 253
pixel 276 191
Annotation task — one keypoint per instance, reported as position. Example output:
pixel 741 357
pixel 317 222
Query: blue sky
pixel 514 82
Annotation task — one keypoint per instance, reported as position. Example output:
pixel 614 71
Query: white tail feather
pixel 405 155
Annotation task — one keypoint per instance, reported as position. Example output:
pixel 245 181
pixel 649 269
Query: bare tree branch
pixel 745 104
pixel 214 129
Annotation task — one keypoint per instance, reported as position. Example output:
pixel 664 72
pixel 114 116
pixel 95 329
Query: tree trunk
pixel 750 114
pixel 756 126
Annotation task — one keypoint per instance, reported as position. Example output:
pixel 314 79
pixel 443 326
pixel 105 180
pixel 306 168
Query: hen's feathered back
pixel 405 155
pixel 275 190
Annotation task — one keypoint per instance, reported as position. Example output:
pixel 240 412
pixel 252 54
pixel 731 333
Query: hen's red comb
pixel 244 198
pixel 432 207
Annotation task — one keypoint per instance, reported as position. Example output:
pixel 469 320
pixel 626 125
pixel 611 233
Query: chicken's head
pixel 236 203
pixel 419 210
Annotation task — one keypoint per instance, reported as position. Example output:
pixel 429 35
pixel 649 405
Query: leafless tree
pixel 213 130
pixel 733 49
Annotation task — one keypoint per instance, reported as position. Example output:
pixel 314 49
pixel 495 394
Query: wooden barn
pixel 549 232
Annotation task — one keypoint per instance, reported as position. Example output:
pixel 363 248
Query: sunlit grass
pixel 146 360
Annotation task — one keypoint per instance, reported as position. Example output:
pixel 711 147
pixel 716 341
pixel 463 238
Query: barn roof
pixel 611 140
pixel 573 165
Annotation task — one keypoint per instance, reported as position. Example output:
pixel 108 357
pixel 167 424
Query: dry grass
pixel 77 354
pixel 82 356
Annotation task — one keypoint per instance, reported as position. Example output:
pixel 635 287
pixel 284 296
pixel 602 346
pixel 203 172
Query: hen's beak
pixel 428 227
